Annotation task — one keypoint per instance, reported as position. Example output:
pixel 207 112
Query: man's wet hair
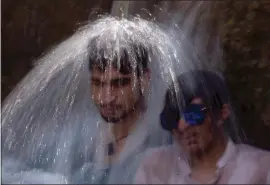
pixel 207 85
pixel 126 60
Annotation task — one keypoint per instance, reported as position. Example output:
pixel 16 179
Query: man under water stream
pixel 61 135
pixel 208 155
pixel 117 91
pixel 118 87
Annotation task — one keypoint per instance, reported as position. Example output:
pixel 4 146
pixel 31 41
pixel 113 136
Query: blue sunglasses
pixel 194 114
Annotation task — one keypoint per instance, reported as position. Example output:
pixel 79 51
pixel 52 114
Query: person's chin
pixel 111 119
pixel 192 148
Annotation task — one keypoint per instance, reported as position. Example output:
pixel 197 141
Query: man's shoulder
pixel 157 153
pixel 251 149
pixel 253 153
pixel 166 149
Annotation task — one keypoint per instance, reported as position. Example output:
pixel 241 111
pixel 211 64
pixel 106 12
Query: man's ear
pixel 224 113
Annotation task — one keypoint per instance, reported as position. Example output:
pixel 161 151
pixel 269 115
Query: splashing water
pixel 194 19
pixel 49 121
pixel 50 127
pixel 197 35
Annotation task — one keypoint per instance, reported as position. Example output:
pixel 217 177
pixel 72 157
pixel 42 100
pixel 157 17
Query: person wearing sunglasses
pixel 197 113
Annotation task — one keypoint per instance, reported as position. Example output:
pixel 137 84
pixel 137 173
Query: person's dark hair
pixel 204 84
pixel 132 58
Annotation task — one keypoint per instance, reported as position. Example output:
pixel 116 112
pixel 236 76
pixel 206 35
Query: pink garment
pixel 240 164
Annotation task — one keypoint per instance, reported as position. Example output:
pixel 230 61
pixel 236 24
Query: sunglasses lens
pixel 194 115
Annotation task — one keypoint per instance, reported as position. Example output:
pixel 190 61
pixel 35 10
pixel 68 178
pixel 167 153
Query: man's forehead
pixel 197 100
pixel 109 74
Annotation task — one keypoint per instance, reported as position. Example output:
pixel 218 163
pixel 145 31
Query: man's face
pixel 196 139
pixel 115 94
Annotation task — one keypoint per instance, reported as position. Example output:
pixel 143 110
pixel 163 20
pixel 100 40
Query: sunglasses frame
pixel 195 114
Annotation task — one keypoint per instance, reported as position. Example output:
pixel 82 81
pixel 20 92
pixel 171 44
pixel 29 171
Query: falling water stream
pixel 51 130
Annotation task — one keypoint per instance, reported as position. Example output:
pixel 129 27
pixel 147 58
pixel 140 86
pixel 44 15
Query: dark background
pixel 31 27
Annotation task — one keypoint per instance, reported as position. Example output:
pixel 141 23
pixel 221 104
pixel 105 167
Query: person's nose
pixel 182 125
pixel 107 96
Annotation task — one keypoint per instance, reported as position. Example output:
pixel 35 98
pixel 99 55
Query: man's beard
pixel 117 119
pixel 125 114
pixel 111 119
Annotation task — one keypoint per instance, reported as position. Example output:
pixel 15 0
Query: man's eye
pixel 96 83
pixel 124 82
pixel 191 116
pixel 120 82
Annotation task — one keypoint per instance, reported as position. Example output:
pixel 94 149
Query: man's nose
pixel 182 125
pixel 107 96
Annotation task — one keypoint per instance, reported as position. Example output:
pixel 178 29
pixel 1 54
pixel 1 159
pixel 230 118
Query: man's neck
pixel 125 126
pixel 209 158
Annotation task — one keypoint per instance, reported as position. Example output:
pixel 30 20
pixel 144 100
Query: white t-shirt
pixel 240 164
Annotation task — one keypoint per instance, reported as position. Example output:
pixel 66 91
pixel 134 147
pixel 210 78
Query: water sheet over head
pixel 49 122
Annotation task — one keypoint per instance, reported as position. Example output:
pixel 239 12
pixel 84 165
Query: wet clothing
pixel 240 164
pixel 95 170
pixel 82 160
pixel 120 172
